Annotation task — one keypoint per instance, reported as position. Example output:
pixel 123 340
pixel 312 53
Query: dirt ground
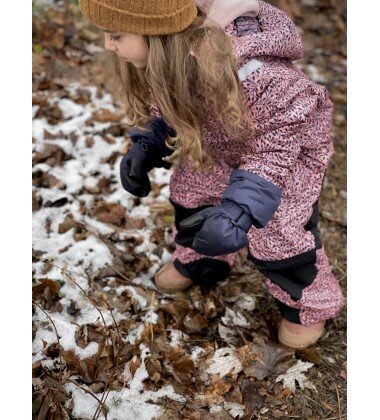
pixel 67 49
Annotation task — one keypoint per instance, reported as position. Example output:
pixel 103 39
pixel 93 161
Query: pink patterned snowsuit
pixel 291 148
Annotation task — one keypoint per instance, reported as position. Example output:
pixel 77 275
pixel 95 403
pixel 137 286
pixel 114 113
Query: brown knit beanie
pixel 144 17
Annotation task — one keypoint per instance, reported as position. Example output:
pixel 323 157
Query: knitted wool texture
pixel 144 17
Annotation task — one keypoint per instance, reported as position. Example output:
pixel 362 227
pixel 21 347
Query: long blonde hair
pixel 191 75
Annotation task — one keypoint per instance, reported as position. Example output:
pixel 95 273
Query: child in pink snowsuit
pixel 262 192
pixel 291 148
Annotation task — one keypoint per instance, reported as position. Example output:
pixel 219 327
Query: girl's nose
pixel 108 44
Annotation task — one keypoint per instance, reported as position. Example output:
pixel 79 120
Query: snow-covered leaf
pixel 234 410
pixel 234 318
pixel 294 374
pixel 225 361
pixel 228 335
pixel 246 302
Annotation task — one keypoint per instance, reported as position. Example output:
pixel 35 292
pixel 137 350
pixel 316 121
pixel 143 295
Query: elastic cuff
pixel 289 313
pixel 254 193
pixel 205 271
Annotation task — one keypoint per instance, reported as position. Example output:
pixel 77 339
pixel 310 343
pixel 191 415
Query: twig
pixel 315 402
pixel 65 271
pixel 114 320
pixel 344 273
pixel 126 278
pixel 337 394
pixel 92 394
pixel 103 400
pixel 240 332
pixel 198 339
pixel 120 274
pixel 59 344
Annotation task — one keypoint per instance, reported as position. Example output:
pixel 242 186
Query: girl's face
pixel 131 47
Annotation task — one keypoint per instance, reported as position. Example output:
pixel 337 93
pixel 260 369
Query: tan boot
pixel 169 280
pixel 297 336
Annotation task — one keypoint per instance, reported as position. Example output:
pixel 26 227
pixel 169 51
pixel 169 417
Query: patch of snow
pixel 246 302
pixel 69 108
pixel 35 109
pixel 166 256
pixel 196 352
pixel 160 176
pixel 234 318
pixel 100 227
pixel 139 212
pixel 142 302
pixel 66 331
pixel 177 337
pixel 216 408
pixel 314 74
pixel 135 334
pixel 150 317
pixel 235 410
pixel 145 279
pixel 133 400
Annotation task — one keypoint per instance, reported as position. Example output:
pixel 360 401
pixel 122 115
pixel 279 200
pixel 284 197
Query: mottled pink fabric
pixel 321 300
pixel 291 147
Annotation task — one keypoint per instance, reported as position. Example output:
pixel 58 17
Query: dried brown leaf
pixel 195 323
pixel 113 214
pixel 104 115
pixel 184 369
pixel 260 359
pixel 39 289
pixel 85 367
pixel 178 309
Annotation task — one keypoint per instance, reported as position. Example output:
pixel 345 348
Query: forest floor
pixel 106 342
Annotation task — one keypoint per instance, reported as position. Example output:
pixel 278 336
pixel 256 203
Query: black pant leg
pixel 295 273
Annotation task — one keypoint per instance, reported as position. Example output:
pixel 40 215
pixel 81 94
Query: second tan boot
pixel 169 280
pixel 297 336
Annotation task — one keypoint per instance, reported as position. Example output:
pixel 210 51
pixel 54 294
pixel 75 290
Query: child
pixel 248 136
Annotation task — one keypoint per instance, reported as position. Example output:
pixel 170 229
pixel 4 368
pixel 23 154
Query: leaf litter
pixel 105 341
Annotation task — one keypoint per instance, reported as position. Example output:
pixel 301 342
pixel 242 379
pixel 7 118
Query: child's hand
pixel 147 152
pixel 134 170
pixel 218 230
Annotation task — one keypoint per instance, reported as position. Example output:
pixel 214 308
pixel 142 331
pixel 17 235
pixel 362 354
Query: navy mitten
pixel 219 229
pixel 249 200
pixel 146 153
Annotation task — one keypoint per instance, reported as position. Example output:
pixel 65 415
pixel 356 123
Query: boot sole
pixel 165 290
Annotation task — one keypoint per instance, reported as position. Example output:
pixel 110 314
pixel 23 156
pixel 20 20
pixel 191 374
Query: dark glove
pixel 249 200
pixel 146 153
pixel 218 230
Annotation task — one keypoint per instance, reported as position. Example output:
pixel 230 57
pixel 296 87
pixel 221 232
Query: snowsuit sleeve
pixel 258 183
pixel 273 154
pixel 279 36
